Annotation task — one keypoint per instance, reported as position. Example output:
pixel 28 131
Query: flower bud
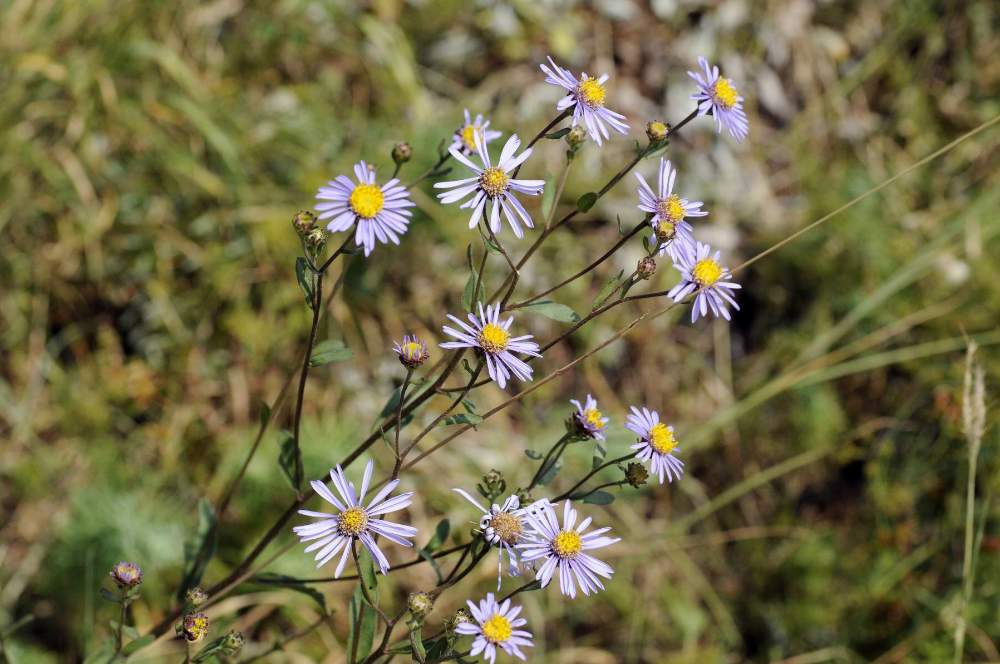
pixel 304 222
pixel 636 474
pixel 494 484
pixel 126 574
pixel 665 231
pixel 646 267
pixel 196 596
pixel 461 616
pixel 401 153
pixel 412 352
pixel 657 131
pixel 194 627
pixel 316 238
pixel 232 644
pixel 576 136
pixel 419 604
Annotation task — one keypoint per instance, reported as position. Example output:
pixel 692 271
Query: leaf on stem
pixel 600 451
pixel 550 473
pixel 599 498
pixel 532 454
pixel 286 456
pixel 559 133
pixel 462 418
pixel 368 575
pixel 440 536
pixel 303 273
pixel 553 310
pixel 331 350
pixel 138 644
pixel 364 618
pixel 587 201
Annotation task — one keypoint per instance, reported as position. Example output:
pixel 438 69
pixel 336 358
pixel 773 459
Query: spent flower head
pixel 588 420
pixel 717 96
pixel 671 231
pixel 491 184
pixel 126 574
pixel 586 97
pixel 636 474
pixel 565 548
pixel 491 336
pixel 196 596
pixel 464 138
pixel 657 444
pixel 657 131
pixel 333 533
pixel 496 625
pixel 401 153
pixel 379 212
pixel 412 352
pixel 503 527
pixel 706 277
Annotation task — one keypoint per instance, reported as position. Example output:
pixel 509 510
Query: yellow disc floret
pixel 411 349
pixel 497 629
pixel 494 181
pixel 592 93
pixel 366 200
pixel 593 417
pixel 567 543
pixel 670 208
pixel 725 94
pixel 661 438
pixel 468 135
pixel 493 338
pixel 352 521
pixel 706 272
pixel 507 527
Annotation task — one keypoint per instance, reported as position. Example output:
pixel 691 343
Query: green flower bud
pixel 636 474
pixel 401 153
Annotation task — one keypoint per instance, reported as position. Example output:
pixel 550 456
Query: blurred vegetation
pixel 152 155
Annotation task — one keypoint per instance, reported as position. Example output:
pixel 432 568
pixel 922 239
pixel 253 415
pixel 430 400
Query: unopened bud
pixel 636 474
pixel 419 604
pixel 646 267
pixel 232 644
pixel 494 483
pixel 412 352
pixel 461 616
pixel 194 627
pixel 304 222
pixel 657 131
pixel 196 596
pixel 576 136
pixel 401 153
pixel 126 574
pixel 317 237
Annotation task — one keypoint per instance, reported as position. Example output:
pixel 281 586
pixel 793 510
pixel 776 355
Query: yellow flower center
pixel 593 417
pixel 507 527
pixel 665 230
pixel 493 338
pixel 468 135
pixel 366 200
pixel 725 94
pixel 567 543
pixel 706 272
pixel 661 438
pixel 671 208
pixel 494 181
pixel 497 629
pixel 592 92
pixel 412 349
pixel 352 521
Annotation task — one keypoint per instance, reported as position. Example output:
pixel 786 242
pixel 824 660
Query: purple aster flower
pixel 335 533
pixel 565 548
pixel 669 211
pixel 503 526
pixel 705 276
pixel 493 184
pixel 412 352
pixel 718 96
pixel 496 624
pixel 379 212
pixel 492 337
pixel 464 138
pixel 656 445
pixel 586 96
pixel 588 419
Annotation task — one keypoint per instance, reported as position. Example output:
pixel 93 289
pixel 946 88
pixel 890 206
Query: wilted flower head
pixel 412 351
pixel 419 604
pixel 194 627
pixel 672 233
pixel 196 596
pixel 657 444
pixel 565 549
pixel 502 527
pixel 586 97
pixel 646 267
pixel 334 533
pixel 379 212
pixel 718 97
pixel 491 336
pixel 493 184
pixel 233 643
pixel 704 275
pixel 588 419
pixel 495 625
pixel 126 574
pixel 464 138
pixel 636 474
pixel 576 136
pixel 657 131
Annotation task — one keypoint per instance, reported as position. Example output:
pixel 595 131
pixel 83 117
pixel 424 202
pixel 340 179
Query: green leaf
pixel 211 649
pixel 291 583
pixel 586 201
pixel 286 457
pixel 608 288
pixel 462 418
pixel 553 310
pixel 600 452
pixel 265 414
pixel 359 614
pixel 473 292
pixel 303 273
pixel 548 197
pixel 199 551
pixel 368 574
pixel 599 498
pixel 331 350
pixel 138 644
pixel 556 135
pixel 550 473
pixel 440 536
pixel 532 454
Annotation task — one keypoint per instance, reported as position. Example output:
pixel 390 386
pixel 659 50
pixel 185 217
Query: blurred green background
pixel 152 155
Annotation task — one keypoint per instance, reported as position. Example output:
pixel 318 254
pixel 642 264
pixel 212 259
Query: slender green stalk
pixel 551 459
